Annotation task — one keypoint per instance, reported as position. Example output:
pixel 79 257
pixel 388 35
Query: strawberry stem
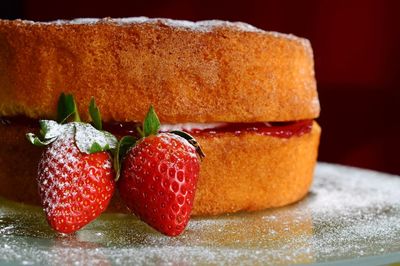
pixel 122 148
pixel 141 133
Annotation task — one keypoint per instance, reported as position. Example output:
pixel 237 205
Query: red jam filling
pixel 274 129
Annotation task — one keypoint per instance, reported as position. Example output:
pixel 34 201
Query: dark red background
pixel 357 59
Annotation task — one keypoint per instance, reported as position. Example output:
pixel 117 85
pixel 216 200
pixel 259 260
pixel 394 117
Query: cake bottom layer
pixel 241 172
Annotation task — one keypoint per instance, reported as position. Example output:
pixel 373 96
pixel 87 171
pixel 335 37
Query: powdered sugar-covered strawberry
pixel 74 187
pixel 75 174
pixel 159 176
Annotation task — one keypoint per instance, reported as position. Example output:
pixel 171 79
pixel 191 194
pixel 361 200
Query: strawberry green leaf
pixel 66 108
pixel 90 140
pixel 87 138
pixel 95 114
pixel 51 129
pixel 95 148
pixel 151 123
pixel 32 138
pixel 123 146
pixel 191 140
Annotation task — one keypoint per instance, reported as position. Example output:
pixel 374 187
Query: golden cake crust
pixel 244 172
pixel 191 72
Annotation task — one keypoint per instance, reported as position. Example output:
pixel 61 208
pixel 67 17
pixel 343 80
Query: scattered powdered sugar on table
pixel 350 213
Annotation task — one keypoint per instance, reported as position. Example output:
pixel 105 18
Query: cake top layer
pixel 200 72
pixel 205 25
pixel 198 26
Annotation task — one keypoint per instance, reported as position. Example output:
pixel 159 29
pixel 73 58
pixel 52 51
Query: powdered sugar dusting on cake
pixel 204 25
pixel 315 103
pixel 199 26
pixel 77 21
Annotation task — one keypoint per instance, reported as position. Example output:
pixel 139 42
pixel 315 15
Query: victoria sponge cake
pixel 248 96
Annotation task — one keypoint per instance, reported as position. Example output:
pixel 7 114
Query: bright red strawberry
pixel 75 173
pixel 158 179
pixel 74 187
